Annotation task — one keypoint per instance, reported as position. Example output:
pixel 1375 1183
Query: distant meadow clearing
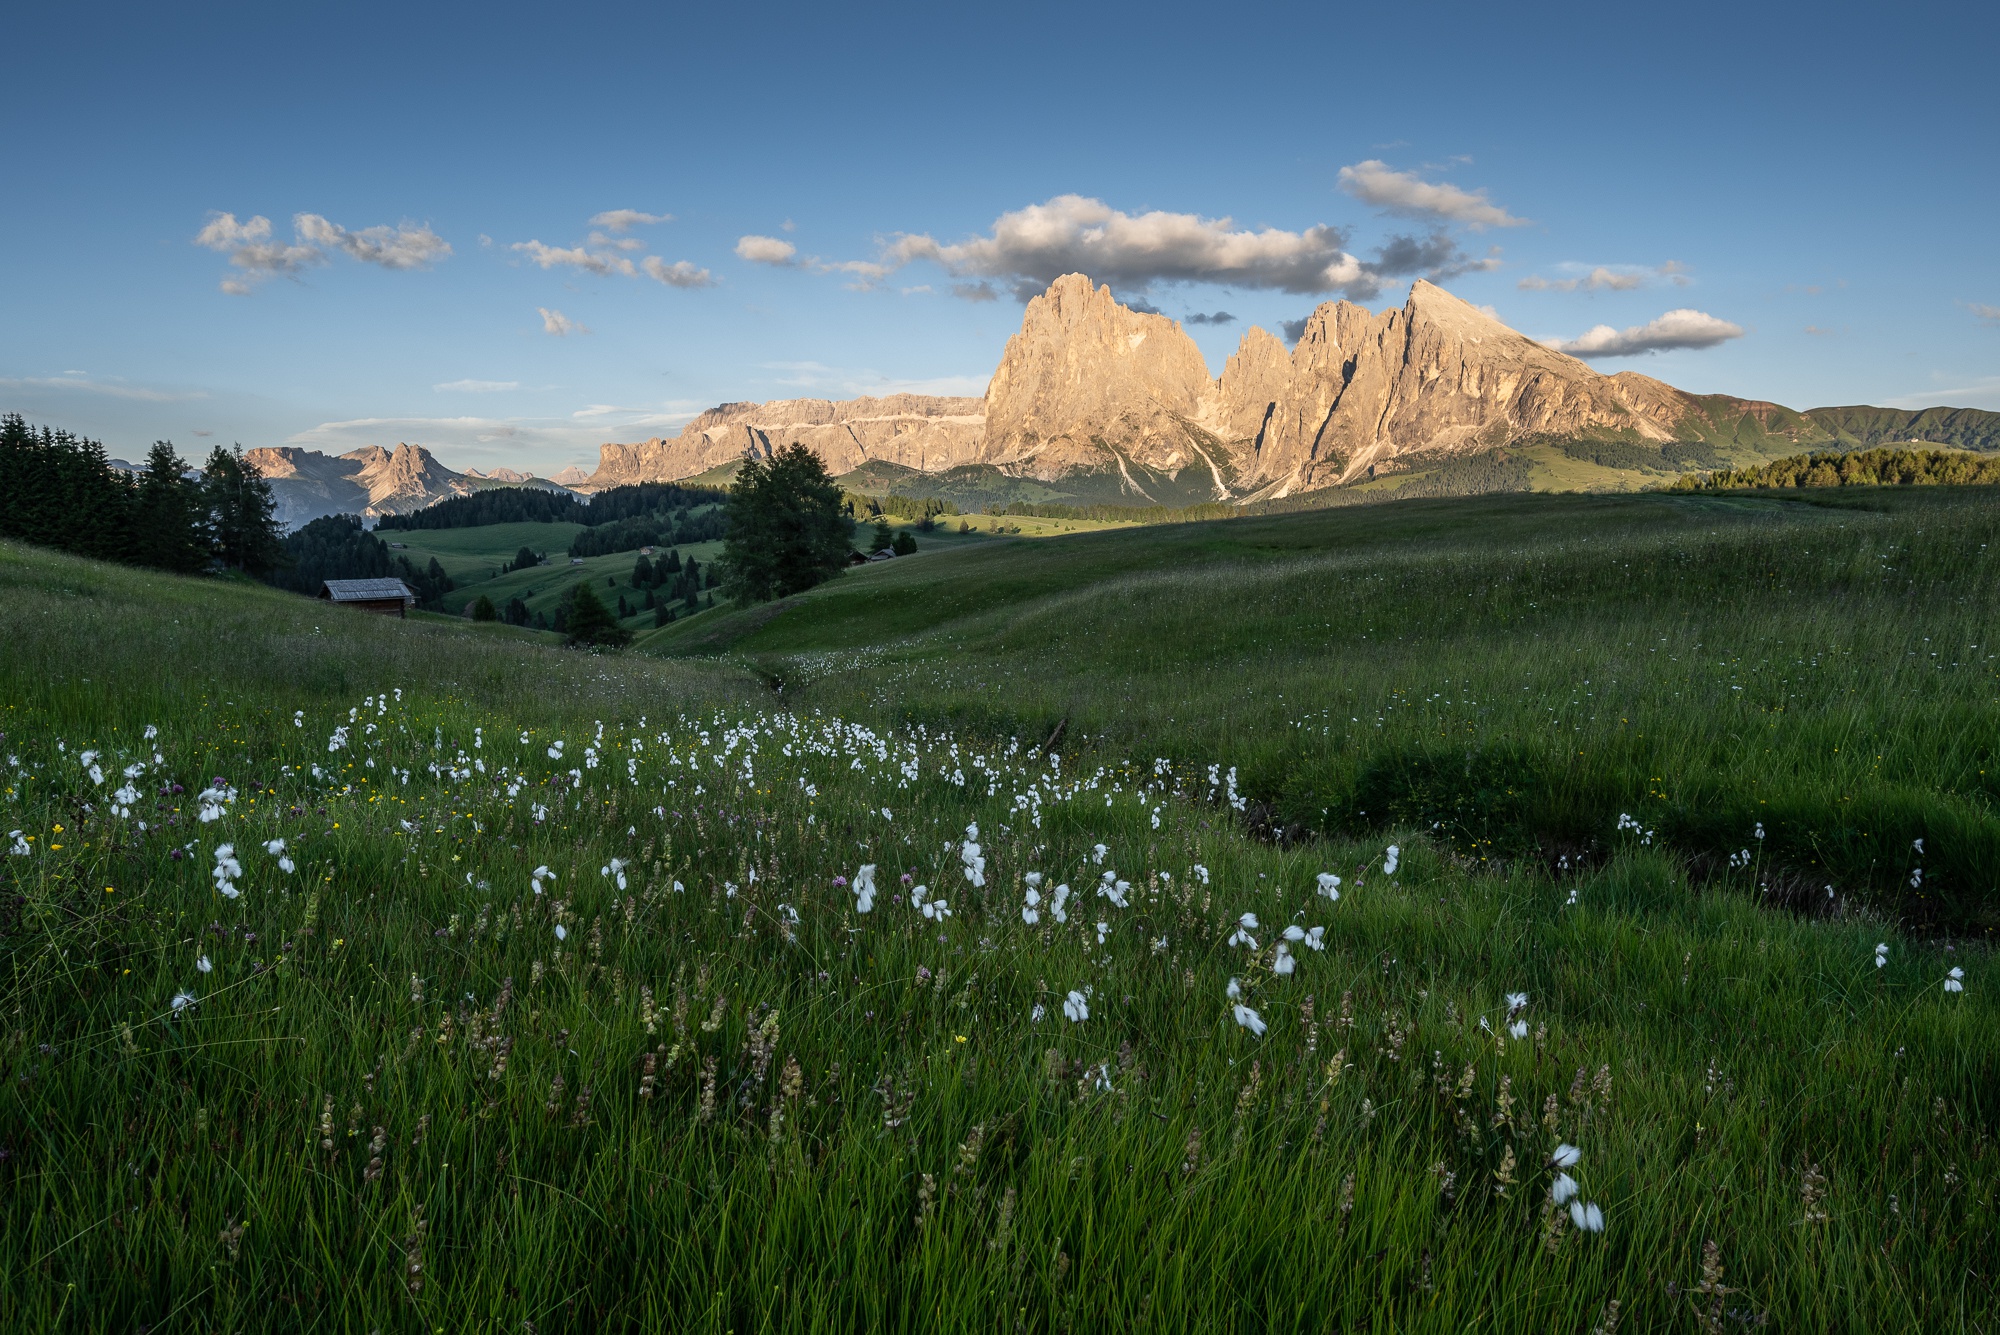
pixel 412 976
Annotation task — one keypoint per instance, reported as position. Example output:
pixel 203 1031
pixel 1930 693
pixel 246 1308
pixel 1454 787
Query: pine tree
pixel 642 573
pixel 879 540
pixel 787 528
pixel 905 544
pixel 169 524
pixel 483 609
pixel 589 622
pixel 241 513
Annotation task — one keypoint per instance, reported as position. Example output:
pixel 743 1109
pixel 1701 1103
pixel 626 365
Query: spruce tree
pixel 905 544
pixel 787 528
pixel 241 513
pixel 169 532
pixel 590 623
pixel 483 609
pixel 879 540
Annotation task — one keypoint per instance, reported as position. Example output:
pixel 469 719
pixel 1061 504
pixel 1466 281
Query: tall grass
pixel 401 1099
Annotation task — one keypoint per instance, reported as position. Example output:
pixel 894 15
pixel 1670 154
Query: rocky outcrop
pixel 370 481
pixel 1438 378
pixel 1088 381
pixel 919 431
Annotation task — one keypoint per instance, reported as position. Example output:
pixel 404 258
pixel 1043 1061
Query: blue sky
pixel 1813 189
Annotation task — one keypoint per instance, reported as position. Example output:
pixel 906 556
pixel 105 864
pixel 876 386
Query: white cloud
pixel 1987 315
pixel 476 386
pixel 555 322
pixel 1676 329
pixel 766 250
pixel 1404 193
pixel 678 274
pixel 540 444
pixel 70 380
pixel 250 247
pixel 623 220
pixel 548 257
pixel 1983 392
pixel 1031 247
pixel 1606 278
pixel 404 246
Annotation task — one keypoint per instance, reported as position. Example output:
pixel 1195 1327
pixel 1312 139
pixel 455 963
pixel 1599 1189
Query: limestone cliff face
pixel 920 431
pixel 1438 377
pixel 1256 377
pixel 1087 380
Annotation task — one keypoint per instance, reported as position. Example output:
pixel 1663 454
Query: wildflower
pixel 1076 1008
pixel 227 869
pixel 562 932
pixel 182 1000
pixel 1241 936
pixel 153 731
pixel 1035 1015
pixel 1249 1019
pixel 1201 873
pixel 20 847
pixel 1329 885
pixel 1587 1218
pixel 1031 913
pixel 1103 930
pixel 974 861
pixel 886 815
pixel 1113 889
pixel 1518 1029
pixel 1566 1156
pixel 937 910
pixel 1389 860
pixel 1097 853
pixel 1056 907
pixel 864 888
pixel 1955 980
pixel 615 869
pixel 1034 879
pixel 1881 953
pixel 555 750
pixel 202 963
pixel 540 875
pixel 1563 1189
pixel 1234 991
pixel 1282 962
pixel 1516 1003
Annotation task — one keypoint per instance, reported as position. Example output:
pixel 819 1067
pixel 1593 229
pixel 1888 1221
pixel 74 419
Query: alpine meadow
pixel 1066 670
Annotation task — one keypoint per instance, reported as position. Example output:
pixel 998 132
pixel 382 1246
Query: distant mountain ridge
pixel 1091 387
pixel 371 481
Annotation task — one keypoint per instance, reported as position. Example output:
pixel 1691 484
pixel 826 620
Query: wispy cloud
pixel 1678 329
pixel 555 322
pixel 613 255
pixel 1607 278
pixel 624 220
pixel 1986 315
pixel 541 444
pixel 476 386
pixel 252 249
pixel 766 250
pixel 848 381
pixel 79 384
pixel 1407 195
pixel 1952 392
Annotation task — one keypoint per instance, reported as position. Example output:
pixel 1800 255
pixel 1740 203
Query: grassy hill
pixel 557 1008
pixel 1518 671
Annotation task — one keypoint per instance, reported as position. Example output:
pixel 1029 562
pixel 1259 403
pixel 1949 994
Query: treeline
pixel 1673 456
pixel 1862 468
pixel 1129 514
pixel 925 510
pixel 59 490
pixel 532 505
pixel 675 529
pixel 338 547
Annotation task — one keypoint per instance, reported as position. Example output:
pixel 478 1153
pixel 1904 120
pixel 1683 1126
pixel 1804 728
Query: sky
pixel 511 234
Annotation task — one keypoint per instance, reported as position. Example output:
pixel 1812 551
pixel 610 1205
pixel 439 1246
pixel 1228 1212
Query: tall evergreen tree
pixel 590 623
pixel 787 527
pixel 241 514
pixel 169 528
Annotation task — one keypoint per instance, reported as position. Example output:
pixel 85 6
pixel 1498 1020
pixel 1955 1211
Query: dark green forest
pixel 1861 468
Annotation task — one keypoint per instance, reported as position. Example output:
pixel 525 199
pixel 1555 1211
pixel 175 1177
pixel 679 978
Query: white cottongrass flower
pixel 1113 889
pixel 152 731
pixel 1282 961
pixel 555 750
pixel 1097 853
pixel 1035 1016
pixel 1056 906
pixel 974 860
pixel 20 847
pixel 540 875
pixel 864 888
pixel 1241 936
pixel 1249 1019
pixel 1955 980
pixel 1103 930
pixel 1566 1156
pixel 562 932
pixel 886 815
pixel 1516 1003
pixel 616 869
pixel 1881 953
pixel 1587 1218
pixel 1316 938
pixel 1201 873
pixel 1030 912
pixel 1389 860
pixel 1329 885
pixel 276 848
pixel 227 869
pixel 1034 879
pixel 1234 991
pixel 1076 1008
pixel 1518 1029
pixel 182 1000
pixel 202 963
pixel 1563 1190
pixel 937 910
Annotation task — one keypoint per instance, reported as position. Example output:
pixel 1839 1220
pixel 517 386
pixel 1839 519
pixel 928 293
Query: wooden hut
pixel 390 597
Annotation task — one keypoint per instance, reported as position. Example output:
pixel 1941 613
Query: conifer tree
pixel 241 514
pixel 589 622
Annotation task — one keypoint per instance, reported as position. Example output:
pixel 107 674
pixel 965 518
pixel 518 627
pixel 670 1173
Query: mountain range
pixel 1093 400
